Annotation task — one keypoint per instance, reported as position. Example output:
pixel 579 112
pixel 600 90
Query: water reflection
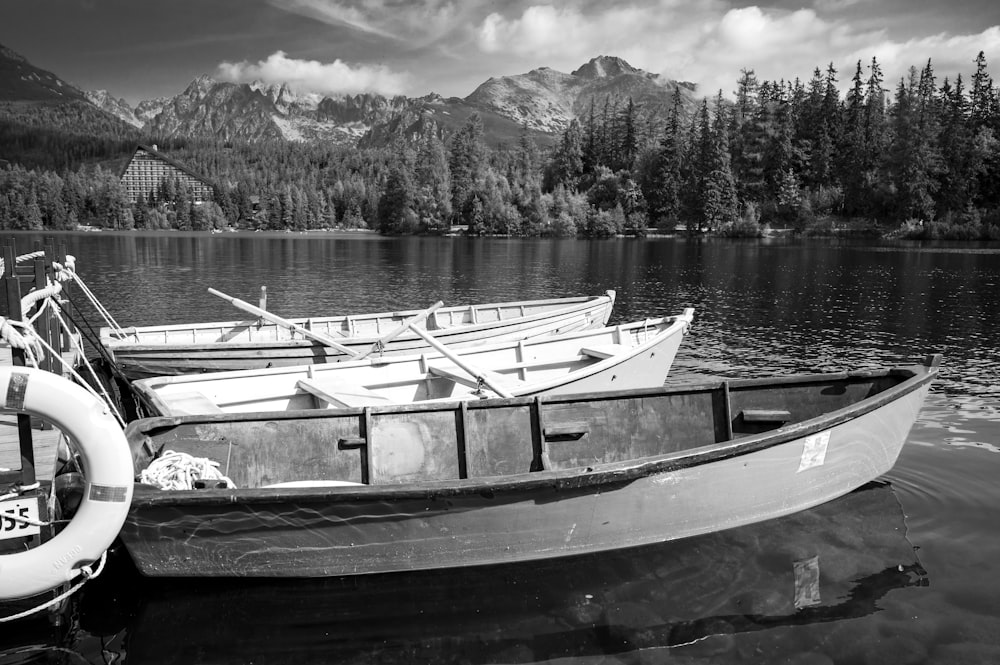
pixel 701 596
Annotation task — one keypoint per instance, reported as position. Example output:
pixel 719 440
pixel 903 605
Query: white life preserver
pixel 107 463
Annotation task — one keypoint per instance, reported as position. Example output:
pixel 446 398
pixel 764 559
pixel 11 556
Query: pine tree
pixel 629 140
pixel 750 118
pixel 566 165
pixel 433 195
pixel 852 150
pixel 721 206
pixel 664 195
pixel 395 206
pixel 467 162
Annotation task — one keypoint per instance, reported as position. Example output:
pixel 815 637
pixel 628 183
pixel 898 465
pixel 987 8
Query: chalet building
pixel 149 167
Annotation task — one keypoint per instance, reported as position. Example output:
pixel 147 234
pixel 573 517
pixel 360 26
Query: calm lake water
pixel 909 568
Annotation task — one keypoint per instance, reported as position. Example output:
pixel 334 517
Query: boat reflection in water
pixel 834 562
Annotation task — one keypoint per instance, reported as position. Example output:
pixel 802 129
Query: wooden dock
pixel 45 443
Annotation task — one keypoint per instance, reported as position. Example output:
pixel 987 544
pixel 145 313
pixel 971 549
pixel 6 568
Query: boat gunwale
pixel 607 475
pixel 573 305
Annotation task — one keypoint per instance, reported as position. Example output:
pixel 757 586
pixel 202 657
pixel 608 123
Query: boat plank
pixel 646 426
pixel 496 441
pixel 403 451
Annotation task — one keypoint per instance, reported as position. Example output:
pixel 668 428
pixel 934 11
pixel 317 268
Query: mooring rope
pixel 103 394
pixel 88 575
pixel 20 335
pixel 110 320
pixel 22 258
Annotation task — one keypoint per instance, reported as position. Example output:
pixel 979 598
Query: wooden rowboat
pixel 455 484
pixel 268 341
pixel 635 355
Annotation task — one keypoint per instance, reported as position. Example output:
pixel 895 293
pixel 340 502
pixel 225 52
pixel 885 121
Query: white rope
pixel 87 575
pixel 42 345
pixel 22 258
pixel 18 490
pixel 64 272
pixel 21 336
pixel 105 314
pixel 178 471
pixel 51 289
pixel 103 394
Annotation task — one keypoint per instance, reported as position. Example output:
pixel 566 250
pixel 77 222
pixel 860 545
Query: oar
pixel 294 327
pixel 396 332
pixel 455 358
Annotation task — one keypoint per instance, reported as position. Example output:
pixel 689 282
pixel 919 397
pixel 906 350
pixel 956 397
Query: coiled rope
pixel 178 471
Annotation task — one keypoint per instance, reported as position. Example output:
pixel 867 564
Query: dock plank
pixel 45 444
pixel 44 441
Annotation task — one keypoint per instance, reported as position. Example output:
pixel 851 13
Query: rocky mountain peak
pixel 117 107
pixel 200 86
pixel 605 66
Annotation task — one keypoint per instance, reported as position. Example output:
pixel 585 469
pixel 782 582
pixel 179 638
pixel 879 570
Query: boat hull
pixel 216 347
pixel 835 562
pixel 565 509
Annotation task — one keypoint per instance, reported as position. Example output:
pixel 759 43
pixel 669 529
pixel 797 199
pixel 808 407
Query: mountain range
pixel 543 102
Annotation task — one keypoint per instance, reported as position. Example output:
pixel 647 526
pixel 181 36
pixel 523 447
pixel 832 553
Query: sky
pixel 142 49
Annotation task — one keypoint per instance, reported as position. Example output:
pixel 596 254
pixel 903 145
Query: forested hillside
pixel 917 156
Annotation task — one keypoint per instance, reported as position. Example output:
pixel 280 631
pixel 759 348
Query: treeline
pixel 922 159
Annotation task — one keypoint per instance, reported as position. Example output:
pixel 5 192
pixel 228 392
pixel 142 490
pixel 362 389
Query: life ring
pixel 107 462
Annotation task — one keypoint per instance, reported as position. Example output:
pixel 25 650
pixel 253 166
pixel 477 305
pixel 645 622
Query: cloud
pixel 330 78
pixel 949 54
pixel 412 21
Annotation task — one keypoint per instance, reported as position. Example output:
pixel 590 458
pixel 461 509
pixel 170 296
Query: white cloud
pixel 709 42
pixel 328 78
pixel 950 55
pixel 416 21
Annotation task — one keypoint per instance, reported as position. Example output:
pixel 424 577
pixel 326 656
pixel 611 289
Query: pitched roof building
pixel 148 168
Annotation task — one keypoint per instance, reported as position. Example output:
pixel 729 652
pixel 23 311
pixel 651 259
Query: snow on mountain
pixel 22 81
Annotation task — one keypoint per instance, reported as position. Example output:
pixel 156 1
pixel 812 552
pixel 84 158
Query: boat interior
pixel 445 441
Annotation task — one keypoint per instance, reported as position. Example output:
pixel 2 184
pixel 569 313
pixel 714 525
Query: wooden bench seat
pixel 603 351
pixel 341 394
pixel 190 403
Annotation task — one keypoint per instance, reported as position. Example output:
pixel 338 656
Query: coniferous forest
pixel 916 157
